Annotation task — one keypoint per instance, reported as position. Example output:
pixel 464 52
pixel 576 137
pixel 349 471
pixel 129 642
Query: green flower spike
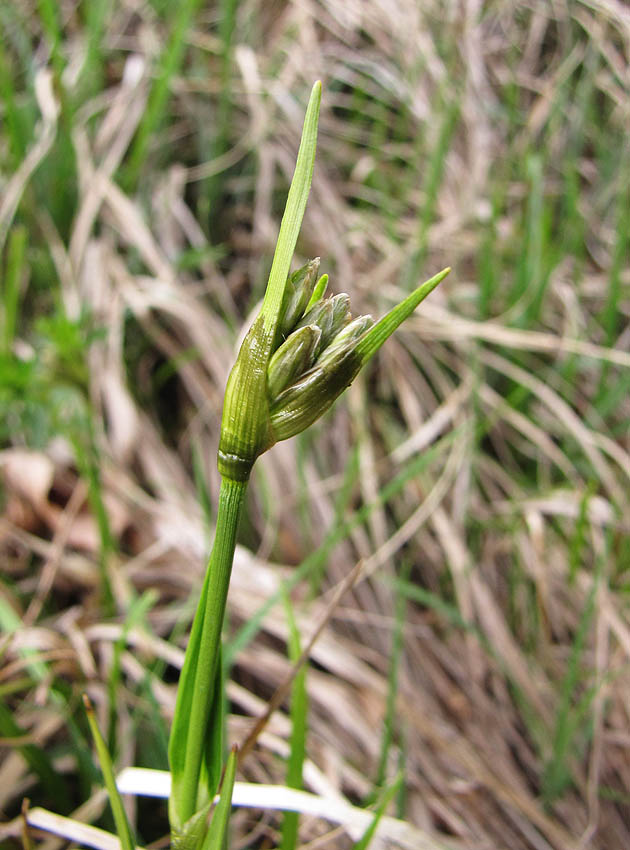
pixel 321 356
pixel 299 355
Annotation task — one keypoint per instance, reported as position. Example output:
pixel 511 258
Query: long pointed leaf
pixel 217 831
pixel 299 712
pixel 193 749
pixel 123 827
pixel 293 212
pixel 385 327
pixel 364 842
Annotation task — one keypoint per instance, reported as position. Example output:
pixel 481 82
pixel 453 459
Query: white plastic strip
pixel 72 830
pixel 157 783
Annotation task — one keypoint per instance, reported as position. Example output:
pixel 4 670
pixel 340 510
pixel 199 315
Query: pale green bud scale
pixel 330 315
pixel 292 359
pixel 345 339
pixel 297 295
pixel 341 316
pixel 320 315
pixel 305 401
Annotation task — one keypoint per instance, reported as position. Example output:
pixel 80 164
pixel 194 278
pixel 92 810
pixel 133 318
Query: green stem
pixel 231 500
pixel 189 744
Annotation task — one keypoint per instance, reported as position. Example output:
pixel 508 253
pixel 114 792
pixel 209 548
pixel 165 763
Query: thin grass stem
pixel 188 746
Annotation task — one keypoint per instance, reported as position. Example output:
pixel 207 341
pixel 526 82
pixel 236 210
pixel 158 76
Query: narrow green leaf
pixel 139 608
pixel 580 535
pixel 217 831
pixel 364 842
pixel 390 719
pixel 297 743
pixel 11 285
pixel 37 759
pixel 212 763
pixel 168 64
pixel 49 15
pixel 182 800
pixel 293 213
pixel 193 747
pixel 10 623
pixel 13 121
pixel 557 773
pixel 386 326
pixel 115 800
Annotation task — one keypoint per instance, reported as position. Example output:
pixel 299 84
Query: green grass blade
pixel 435 173
pixel 297 742
pixel 193 749
pixel 385 327
pixel 293 213
pixel 557 774
pixel 579 538
pixel 49 17
pixel 36 758
pixel 364 842
pixel 92 77
pixel 10 622
pixel 138 610
pixel 216 835
pixel 16 132
pixel 211 766
pixel 341 508
pixel 88 460
pixel 533 279
pixel 123 827
pixel 223 125
pixel 611 314
pixel 389 722
pixel 168 65
pixel 11 286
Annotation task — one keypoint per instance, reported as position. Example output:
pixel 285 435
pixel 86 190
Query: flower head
pixel 302 350
pixel 317 351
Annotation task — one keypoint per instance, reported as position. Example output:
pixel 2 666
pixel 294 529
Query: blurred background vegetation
pixel 480 468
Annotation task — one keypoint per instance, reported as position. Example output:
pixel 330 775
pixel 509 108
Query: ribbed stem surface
pixel 196 689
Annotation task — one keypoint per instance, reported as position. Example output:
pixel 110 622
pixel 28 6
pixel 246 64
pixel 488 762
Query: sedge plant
pixel 301 352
